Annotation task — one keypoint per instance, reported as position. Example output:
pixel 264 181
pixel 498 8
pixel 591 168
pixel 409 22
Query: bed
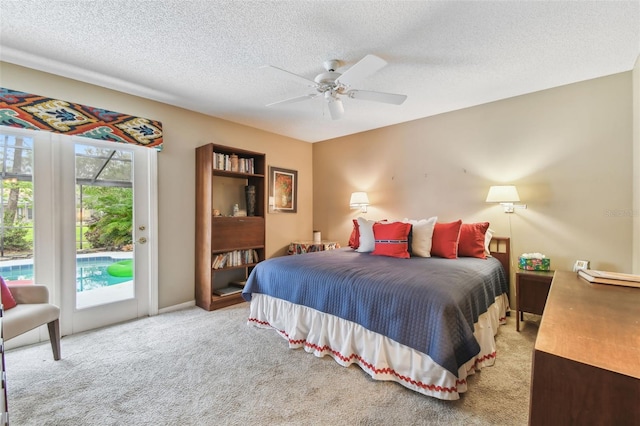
pixel 425 323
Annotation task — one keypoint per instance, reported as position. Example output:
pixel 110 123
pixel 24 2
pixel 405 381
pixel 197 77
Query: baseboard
pixel 177 307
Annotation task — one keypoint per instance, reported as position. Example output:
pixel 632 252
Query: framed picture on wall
pixel 283 190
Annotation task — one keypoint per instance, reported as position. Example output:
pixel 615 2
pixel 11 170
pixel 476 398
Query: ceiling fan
pixel 332 85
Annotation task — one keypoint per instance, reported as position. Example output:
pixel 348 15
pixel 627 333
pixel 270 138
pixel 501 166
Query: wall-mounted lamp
pixel 506 195
pixel 359 200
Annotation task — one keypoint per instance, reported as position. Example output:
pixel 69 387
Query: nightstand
pixel 532 288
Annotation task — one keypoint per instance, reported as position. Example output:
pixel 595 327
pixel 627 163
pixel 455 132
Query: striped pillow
pixel 392 239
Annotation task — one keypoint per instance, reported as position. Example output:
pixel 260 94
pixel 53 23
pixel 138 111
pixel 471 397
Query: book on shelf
pixel 613 278
pixel 224 162
pixel 227 291
pixel 234 258
pixel 239 283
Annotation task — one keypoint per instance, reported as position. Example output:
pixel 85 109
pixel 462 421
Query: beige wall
pixel 636 167
pixel 183 131
pixel 568 150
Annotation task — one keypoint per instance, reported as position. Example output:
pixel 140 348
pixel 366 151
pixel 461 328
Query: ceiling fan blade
pixel 300 78
pixel 367 95
pixel 292 100
pixel 362 69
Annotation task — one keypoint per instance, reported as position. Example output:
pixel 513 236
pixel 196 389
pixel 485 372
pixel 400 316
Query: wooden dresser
pixel 586 360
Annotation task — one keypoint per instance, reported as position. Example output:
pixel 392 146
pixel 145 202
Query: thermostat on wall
pixel 580 264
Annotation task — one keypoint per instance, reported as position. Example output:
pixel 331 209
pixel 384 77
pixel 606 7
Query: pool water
pixel 91 273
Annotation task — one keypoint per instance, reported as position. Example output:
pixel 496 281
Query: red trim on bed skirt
pixel 259 322
pixel 486 357
pixel 370 366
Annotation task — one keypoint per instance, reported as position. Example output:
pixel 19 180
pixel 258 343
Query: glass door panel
pixel 16 210
pixel 104 225
pixel 105 199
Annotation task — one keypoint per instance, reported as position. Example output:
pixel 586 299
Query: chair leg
pixel 54 336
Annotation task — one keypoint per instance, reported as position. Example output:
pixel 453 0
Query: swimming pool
pixel 91 272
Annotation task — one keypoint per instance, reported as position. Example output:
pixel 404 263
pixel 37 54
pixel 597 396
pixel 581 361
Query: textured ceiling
pixel 206 55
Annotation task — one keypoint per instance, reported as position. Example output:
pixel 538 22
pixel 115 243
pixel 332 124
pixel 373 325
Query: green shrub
pixel 111 224
pixel 14 239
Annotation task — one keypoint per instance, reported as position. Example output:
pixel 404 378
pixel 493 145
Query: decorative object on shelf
pixel 534 262
pixel 283 187
pixel 317 237
pixel 359 200
pixel 250 195
pixel 216 212
pixel 236 210
pixel 506 195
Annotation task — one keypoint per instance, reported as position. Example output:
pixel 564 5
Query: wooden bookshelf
pixel 218 187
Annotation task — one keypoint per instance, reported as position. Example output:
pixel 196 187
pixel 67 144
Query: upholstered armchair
pixel 32 310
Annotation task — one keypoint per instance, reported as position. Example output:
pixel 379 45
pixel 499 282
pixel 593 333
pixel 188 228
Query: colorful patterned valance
pixel 27 111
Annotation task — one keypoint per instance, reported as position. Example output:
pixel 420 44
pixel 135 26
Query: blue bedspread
pixel 428 304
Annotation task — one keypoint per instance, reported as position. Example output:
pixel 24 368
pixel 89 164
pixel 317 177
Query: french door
pixel 94 227
pixel 106 282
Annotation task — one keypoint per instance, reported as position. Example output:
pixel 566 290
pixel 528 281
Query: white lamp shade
pixel 503 194
pixel 359 199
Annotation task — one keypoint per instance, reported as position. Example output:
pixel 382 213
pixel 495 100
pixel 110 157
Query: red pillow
pixel 8 301
pixel 354 239
pixel 392 239
pixel 444 242
pixel 471 242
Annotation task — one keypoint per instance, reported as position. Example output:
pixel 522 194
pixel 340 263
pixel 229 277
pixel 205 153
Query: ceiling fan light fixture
pixel 336 109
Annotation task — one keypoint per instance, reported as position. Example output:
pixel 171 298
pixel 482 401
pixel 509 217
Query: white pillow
pixel 421 236
pixel 367 241
pixel 487 240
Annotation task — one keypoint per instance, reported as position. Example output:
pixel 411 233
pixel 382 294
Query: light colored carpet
pixel 193 367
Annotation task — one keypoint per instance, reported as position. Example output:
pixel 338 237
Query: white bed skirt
pixel 381 357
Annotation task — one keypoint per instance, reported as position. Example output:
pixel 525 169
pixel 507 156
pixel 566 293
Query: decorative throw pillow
pixel 8 301
pixel 354 239
pixel 471 243
pixel 392 239
pixel 367 243
pixel 421 236
pixel 445 239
